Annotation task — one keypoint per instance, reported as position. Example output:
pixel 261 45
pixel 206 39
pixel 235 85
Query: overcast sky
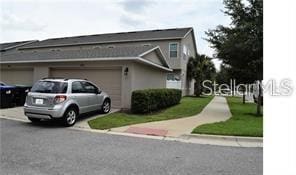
pixel 29 19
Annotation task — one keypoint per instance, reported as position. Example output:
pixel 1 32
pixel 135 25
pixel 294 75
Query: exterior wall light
pixel 126 71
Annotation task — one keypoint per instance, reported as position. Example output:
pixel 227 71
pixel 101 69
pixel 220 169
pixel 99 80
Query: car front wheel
pixel 70 117
pixel 106 106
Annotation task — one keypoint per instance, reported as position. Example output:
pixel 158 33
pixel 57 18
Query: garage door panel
pixel 17 76
pixel 109 80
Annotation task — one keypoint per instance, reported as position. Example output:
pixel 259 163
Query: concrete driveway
pixel 17 113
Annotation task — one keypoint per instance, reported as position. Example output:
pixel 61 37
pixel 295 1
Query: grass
pixel 243 122
pixel 188 106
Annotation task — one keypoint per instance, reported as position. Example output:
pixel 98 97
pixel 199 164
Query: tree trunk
pixel 197 89
pixel 259 100
pixel 244 96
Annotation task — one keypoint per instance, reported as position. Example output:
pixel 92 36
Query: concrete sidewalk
pixel 217 110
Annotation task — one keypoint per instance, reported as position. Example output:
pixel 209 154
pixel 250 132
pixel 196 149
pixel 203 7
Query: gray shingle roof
pixel 113 37
pixel 104 52
pixel 6 46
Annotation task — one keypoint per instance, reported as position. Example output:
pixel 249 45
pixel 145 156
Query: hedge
pixel 148 100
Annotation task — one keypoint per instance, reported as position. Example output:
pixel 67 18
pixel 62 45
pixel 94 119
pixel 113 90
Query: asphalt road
pixel 50 149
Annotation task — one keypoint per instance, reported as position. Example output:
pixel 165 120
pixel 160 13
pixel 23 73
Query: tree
pixel 240 45
pixel 223 75
pixel 200 68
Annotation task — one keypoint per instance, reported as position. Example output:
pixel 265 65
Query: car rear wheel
pixel 70 117
pixel 106 106
pixel 34 120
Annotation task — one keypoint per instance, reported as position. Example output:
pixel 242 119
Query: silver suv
pixel 59 98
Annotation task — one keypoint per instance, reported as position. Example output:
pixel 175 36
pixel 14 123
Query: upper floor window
pixel 173 50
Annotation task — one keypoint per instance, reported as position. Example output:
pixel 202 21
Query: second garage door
pixel 17 76
pixel 108 79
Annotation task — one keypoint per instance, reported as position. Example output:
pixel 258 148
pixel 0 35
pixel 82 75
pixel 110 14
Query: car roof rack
pixel 64 78
pixel 75 79
pixel 53 78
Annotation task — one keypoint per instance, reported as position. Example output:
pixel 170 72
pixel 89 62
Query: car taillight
pixel 60 98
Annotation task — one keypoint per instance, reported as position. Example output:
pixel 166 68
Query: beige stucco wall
pixel 187 85
pixel 40 72
pixel 153 57
pixel 145 77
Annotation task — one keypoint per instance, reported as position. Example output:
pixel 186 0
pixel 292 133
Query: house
pixel 119 63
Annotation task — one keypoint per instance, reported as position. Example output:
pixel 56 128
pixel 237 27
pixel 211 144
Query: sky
pixel 29 19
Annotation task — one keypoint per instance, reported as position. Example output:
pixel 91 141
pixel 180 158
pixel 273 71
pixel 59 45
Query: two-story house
pixel 119 63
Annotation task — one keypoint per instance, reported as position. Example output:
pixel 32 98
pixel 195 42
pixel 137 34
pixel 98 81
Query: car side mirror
pixel 99 91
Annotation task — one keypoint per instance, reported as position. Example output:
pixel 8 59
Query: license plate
pixel 39 101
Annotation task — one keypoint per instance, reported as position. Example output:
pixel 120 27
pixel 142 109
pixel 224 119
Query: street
pixel 50 149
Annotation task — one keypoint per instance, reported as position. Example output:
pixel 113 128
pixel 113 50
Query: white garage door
pixel 109 80
pixel 17 76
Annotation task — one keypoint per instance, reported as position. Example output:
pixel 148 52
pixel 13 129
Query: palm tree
pixel 200 68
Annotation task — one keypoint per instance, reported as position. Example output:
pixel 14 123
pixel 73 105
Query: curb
pixel 224 137
pixel 226 140
pixel 218 140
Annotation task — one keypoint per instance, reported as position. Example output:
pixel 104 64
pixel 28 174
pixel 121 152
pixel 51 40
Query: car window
pixel 89 88
pixel 50 87
pixel 77 87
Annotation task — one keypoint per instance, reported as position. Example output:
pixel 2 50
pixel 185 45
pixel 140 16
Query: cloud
pixel 129 21
pixel 47 19
pixel 9 22
pixel 135 6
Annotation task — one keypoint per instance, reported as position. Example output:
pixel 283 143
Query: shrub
pixel 148 100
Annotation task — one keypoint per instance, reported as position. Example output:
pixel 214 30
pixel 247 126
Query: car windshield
pixel 50 87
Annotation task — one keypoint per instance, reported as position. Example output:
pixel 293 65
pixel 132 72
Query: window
pixel 170 77
pixel 77 87
pixel 173 77
pixel 185 51
pixel 173 50
pixel 50 87
pixel 89 88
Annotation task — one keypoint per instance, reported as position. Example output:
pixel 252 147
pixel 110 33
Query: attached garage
pixel 108 79
pixel 116 70
pixel 21 76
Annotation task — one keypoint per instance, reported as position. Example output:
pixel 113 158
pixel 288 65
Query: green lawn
pixel 243 122
pixel 188 106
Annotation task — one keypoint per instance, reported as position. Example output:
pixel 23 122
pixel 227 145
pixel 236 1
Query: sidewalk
pixel 217 110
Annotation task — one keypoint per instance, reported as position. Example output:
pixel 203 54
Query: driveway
pixel 36 149
pixel 17 113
